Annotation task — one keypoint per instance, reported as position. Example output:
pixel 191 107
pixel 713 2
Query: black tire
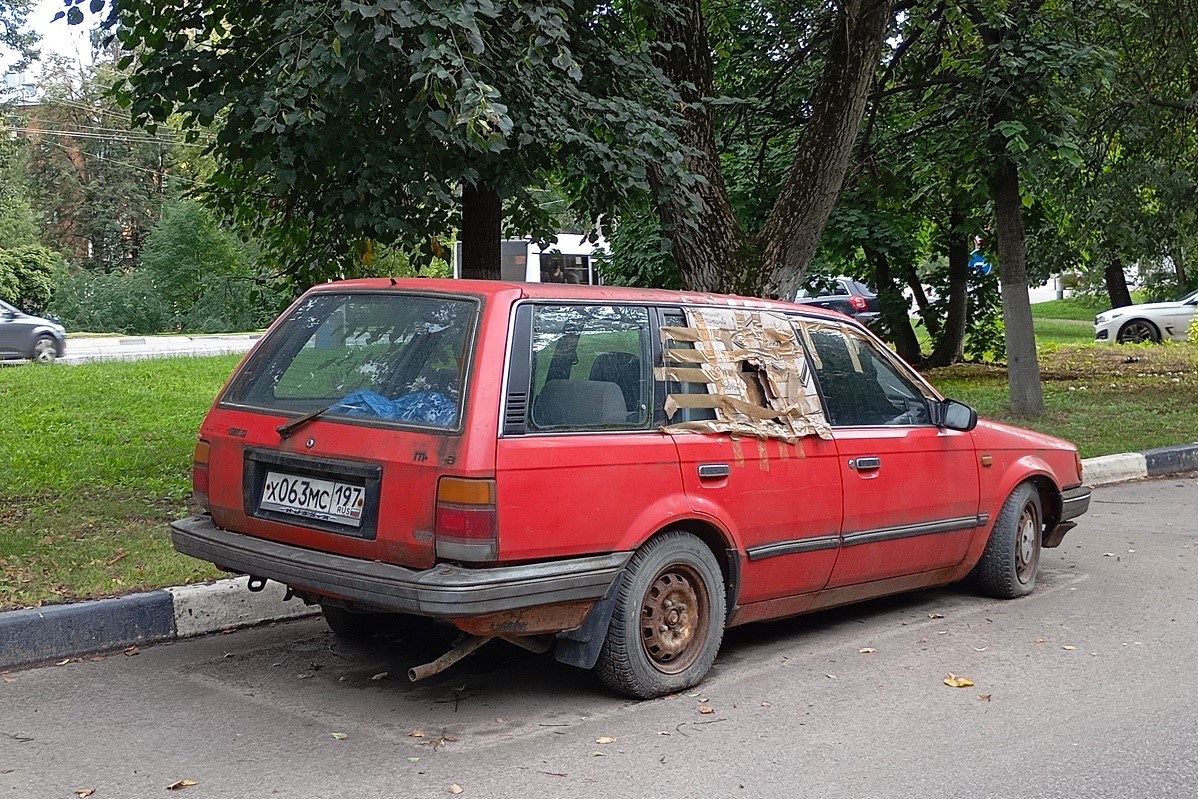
pixel 1007 568
pixel 45 350
pixel 350 625
pixel 668 620
pixel 1138 331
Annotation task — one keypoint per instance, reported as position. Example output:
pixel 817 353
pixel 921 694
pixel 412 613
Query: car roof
pixel 571 291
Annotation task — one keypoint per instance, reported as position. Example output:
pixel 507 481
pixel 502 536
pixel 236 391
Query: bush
pixel 116 302
pixel 27 276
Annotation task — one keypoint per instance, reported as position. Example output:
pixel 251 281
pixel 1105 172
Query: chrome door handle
pixel 714 470
pixel 870 462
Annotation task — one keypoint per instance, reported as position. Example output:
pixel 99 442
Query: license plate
pixel 326 500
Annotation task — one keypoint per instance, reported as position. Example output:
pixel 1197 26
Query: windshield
pixel 386 357
pixel 1191 297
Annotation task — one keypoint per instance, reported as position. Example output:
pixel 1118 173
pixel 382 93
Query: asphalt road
pixel 1083 689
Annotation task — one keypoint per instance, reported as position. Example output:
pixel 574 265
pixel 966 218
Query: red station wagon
pixel 623 473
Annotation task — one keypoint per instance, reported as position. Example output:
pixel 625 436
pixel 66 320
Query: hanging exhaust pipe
pixel 461 650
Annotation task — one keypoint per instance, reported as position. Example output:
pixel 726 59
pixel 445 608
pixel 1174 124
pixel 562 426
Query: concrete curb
pixel 61 631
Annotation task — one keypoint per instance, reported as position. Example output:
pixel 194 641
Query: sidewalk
pixel 129 348
pixel 58 632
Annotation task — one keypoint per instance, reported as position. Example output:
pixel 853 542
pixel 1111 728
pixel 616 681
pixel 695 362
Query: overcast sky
pixel 57 37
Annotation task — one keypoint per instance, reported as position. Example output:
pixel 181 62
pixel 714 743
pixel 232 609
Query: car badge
pixel 311 442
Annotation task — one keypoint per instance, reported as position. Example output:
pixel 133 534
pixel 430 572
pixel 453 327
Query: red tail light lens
pixel 467 526
pixel 858 302
pixel 199 473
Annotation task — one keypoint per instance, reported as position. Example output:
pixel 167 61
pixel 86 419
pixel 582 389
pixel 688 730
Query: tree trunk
pixel 1023 369
pixel 1116 284
pixel 704 252
pixel 950 345
pixel 1179 269
pixel 482 218
pixel 713 252
pixel 825 147
pixel 894 309
pixel 921 300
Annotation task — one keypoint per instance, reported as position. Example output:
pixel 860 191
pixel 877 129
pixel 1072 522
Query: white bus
pixel 572 259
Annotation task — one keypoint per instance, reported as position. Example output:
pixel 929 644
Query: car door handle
pixel 714 470
pixel 870 462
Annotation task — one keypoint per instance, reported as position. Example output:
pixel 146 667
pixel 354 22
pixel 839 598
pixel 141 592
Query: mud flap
pixel 580 647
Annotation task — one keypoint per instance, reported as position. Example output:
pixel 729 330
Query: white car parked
pixel 1150 321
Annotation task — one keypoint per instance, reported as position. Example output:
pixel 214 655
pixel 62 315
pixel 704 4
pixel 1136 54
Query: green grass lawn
pixel 95 458
pixel 94 461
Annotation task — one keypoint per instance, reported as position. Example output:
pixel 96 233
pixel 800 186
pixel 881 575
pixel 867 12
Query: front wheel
pixel 668 619
pixel 1138 331
pixel 1007 568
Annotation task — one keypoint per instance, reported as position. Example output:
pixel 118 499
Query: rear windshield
pixel 384 357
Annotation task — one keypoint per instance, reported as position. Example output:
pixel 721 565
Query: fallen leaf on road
pixel 382 675
pixel 707 710
pixel 984 697
pixel 830 676
pixel 416 733
pixel 935 615
pixel 953 681
pixel 1039 640
pixel 340 736
pixel 869 650
pixel 175 786
pixel 83 793
pixel 765 704
pixel 1070 648
pixel 598 754
pixel 1108 554
pixel 980 648
pixel 455 788
pixel 63 662
pixel 440 742
pixel 6 678
pixel 606 739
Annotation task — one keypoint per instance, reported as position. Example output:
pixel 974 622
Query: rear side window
pixel 385 357
pixel 590 367
pixel 860 386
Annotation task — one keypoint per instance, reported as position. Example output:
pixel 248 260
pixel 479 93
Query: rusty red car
pixel 621 474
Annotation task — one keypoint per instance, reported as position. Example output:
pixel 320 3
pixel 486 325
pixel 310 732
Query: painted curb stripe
pixel 1166 460
pixel 58 631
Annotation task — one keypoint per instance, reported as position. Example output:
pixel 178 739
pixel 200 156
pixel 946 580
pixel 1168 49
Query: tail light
pixel 858 302
pixel 467 526
pixel 1077 460
pixel 199 473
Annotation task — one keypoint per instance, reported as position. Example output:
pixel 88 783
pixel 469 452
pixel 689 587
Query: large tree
pixel 789 81
pixel 337 122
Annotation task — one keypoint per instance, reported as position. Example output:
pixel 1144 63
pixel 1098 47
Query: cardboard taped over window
pixel 756 371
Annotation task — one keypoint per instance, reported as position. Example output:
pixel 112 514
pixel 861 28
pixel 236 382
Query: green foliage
pixel 27 276
pixel 17 224
pixel 640 254
pixel 203 274
pixel 340 122
pixel 111 302
pixel 97 185
pixel 1192 333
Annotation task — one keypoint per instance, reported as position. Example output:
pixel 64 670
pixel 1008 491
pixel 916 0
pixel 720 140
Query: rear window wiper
pixel 286 429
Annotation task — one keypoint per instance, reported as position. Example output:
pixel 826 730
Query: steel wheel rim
pixel 1136 333
pixel 674 614
pixel 1027 536
pixel 43 350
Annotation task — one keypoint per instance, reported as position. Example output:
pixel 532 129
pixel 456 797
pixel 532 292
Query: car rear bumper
pixel 1074 502
pixel 445 591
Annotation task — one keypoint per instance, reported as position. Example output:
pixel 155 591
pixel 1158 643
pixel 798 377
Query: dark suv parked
pixel 850 297
pixel 32 337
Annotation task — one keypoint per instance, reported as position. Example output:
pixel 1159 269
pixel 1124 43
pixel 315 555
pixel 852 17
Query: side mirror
pixel 954 415
pixel 7 314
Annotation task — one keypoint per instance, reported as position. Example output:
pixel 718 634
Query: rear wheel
pixel 45 350
pixel 668 620
pixel 1008 566
pixel 1137 331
